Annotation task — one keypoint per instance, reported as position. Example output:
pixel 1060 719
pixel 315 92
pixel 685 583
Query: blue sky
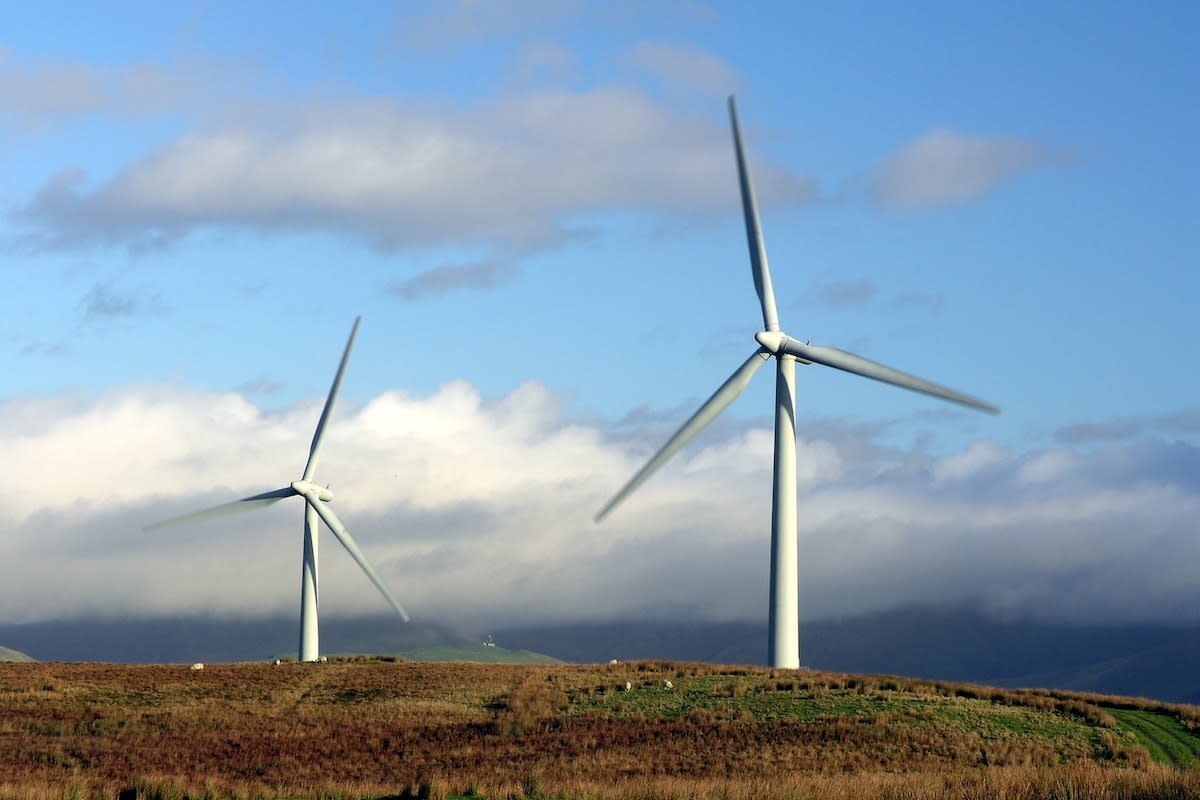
pixel 197 200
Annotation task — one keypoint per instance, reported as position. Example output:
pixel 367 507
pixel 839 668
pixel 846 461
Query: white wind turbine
pixel 784 642
pixel 316 500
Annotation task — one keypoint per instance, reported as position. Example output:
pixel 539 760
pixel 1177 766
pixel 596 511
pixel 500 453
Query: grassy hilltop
pixel 8 654
pixel 379 728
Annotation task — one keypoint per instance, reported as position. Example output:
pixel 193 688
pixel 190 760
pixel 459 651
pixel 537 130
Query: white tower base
pixel 784 644
pixel 309 644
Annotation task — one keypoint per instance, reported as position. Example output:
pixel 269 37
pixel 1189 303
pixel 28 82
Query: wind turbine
pixel 316 504
pixel 784 642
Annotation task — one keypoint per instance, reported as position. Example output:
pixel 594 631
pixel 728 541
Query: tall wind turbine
pixel 316 504
pixel 784 643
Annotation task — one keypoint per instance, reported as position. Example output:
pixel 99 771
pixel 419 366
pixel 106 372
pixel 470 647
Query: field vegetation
pixel 475 652
pixel 374 728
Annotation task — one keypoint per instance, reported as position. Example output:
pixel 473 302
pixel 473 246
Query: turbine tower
pixel 784 644
pixel 316 507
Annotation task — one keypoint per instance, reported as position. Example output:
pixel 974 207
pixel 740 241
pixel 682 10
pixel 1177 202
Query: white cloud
pixel 34 94
pixel 685 67
pixel 1048 466
pixel 840 294
pixel 479 511
pixel 545 63
pixel 978 458
pixel 945 168
pixel 454 277
pixel 512 173
pixel 464 22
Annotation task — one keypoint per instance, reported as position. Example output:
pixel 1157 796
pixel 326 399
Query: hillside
pixel 7 654
pixel 476 653
pixel 379 728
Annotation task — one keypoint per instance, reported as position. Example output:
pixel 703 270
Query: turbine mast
pixel 310 648
pixel 783 643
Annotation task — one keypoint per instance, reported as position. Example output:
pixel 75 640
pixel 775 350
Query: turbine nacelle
pixel 312 491
pixel 776 342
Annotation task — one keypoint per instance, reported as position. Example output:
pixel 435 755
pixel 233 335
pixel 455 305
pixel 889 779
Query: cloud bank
pixel 478 511
pixel 518 172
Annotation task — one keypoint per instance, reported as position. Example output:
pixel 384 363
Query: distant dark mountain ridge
pixel 1167 671
pixel 187 639
pixel 1141 660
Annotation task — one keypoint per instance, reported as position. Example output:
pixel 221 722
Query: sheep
pixel 197 667
pixel 628 686
pixel 668 685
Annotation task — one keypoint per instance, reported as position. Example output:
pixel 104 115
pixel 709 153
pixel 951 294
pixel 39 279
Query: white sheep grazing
pixel 197 667
pixel 668 685
pixel 628 686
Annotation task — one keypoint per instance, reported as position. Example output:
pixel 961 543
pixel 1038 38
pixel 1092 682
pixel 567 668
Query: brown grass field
pixel 369 728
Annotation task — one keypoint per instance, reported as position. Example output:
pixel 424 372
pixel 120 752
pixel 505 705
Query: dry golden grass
pixel 364 728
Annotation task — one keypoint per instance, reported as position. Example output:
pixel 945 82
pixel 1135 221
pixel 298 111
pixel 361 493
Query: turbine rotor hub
pixel 775 341
pixel 313 491
pixel 771 340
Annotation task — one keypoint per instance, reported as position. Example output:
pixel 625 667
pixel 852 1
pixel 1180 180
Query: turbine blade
pixel 712 407
pixel 840 359
pixel 245 504
pixel 315 450
pixel 343 536
pixel 758 251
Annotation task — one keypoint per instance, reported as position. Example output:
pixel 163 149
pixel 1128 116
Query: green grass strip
pixel 1165 737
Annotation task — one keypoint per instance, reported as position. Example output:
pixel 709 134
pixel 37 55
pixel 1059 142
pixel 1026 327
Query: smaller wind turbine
pixel 316 504
pixel 783 643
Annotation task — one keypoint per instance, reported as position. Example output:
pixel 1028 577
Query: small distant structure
pixel 197 667
pixel 489 641
pixel 668 685
pixel 613 661
pixel 278 662
pixel 628 687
